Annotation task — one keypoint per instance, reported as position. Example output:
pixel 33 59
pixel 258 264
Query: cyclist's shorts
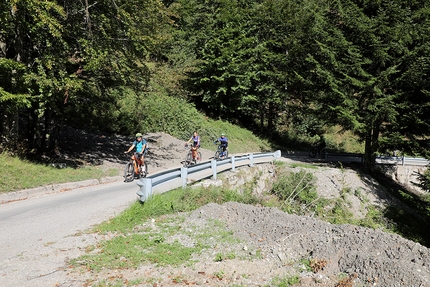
pixel 137 155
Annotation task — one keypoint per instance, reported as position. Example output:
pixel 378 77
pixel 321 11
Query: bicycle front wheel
pixel 144 170
pixel 312 152
pixel 188 159
pixel 217 154
pixel 129 172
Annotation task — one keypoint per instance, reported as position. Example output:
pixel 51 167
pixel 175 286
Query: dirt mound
pixel 78 147
pixel 271 244
pixel 370 256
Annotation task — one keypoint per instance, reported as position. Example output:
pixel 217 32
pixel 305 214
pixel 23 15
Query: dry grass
pixel 318 264
pixel 347 281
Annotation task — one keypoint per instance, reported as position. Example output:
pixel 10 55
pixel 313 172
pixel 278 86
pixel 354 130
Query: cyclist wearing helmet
pixel 195 143
pixel 223 142
pixel 140 145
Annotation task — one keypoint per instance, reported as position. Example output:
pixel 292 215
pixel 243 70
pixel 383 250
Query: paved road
pixel 37 234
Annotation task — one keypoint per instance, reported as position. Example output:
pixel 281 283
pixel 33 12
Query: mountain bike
pixel 189 159
pixel 317 150
pixel 220 154
pixel 134 169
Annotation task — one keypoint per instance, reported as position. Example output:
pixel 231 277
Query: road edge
pixel 53 188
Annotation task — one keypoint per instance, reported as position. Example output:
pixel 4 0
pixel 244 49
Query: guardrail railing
pixel 177 177
pixel 380 159
pixel 402 160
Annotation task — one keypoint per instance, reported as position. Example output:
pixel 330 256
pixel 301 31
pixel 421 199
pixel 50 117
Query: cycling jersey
pixel 196 140
pixel 139 145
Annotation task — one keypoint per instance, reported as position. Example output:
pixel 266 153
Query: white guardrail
pixel 174 178
pixel 402 160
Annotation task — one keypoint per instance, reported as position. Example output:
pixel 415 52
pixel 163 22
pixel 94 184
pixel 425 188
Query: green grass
pixel 17 174
pixel 180 119
pixel 285 281
pixel 174 201
pixel 303 165
pixel 138 241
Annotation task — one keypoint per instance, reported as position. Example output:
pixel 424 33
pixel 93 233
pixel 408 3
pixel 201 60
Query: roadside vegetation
pixel 263 65
pixel 18 174
pixel 179 119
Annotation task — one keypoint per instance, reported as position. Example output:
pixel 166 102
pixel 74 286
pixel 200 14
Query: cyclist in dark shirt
pixel 223 142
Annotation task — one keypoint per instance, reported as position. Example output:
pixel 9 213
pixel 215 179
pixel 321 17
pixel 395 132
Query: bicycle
pixel 317 150
pixel 134 169
pixel 189 159
pixel 220 153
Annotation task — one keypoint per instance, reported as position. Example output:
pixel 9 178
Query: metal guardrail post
pixel 403 160
pixel 232 163
pixel 184 175
pixel 145 190
pixel 277 154
pixel 213 166
pixel 251 159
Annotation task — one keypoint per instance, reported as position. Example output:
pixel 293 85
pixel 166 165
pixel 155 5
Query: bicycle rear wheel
pixel 199 157
pixel 129 172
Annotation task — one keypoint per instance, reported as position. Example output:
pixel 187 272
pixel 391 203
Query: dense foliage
pixel 270 65
pixel 60 62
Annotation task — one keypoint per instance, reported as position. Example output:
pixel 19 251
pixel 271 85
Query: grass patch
pixel 138 241
pixel 174 201
pixel 303 165
pixel 295 193
pixel 285 281
pixel 179 118
pixel 17 174
pixel 132 250
pixel 295 189
pixel 413 222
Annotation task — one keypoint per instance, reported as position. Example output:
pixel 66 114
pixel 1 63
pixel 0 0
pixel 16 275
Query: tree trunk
pixel 367 152
pixel 370 148
pixel 262 119
pixel 2 123
pixel 375 145
pixel 270 119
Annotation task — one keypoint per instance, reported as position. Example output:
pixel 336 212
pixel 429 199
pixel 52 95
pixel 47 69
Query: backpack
pixel 146 147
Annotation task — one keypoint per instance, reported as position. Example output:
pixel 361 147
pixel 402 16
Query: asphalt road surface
pixel 37 234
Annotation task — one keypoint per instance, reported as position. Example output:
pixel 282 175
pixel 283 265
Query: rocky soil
pixel 271 244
